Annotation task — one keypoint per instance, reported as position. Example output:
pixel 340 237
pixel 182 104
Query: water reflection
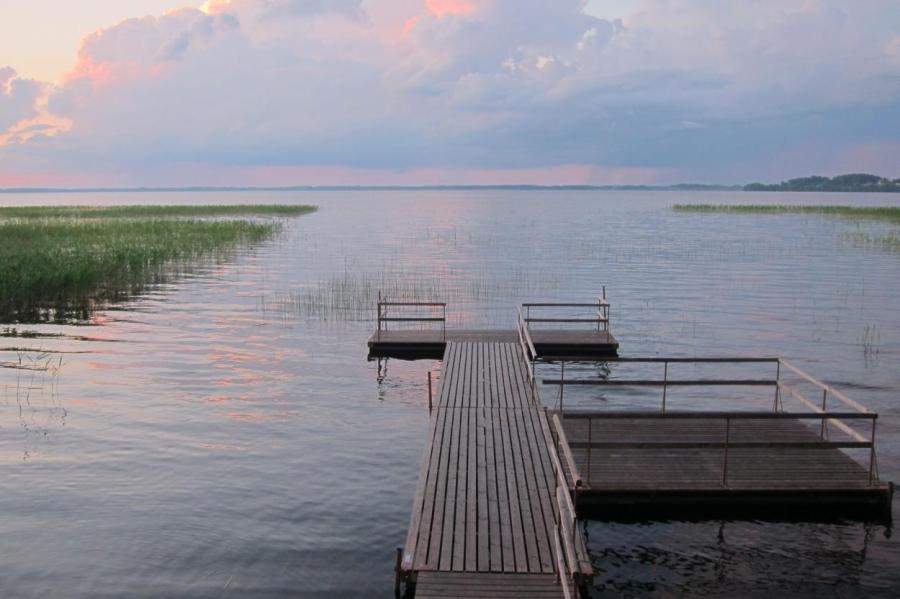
pixel 744 559
pixel 30 396
pixel 224 433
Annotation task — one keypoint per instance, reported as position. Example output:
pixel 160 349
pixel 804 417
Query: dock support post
pixel 590 420
pixel 725 459
pixel 397 572
pixel 429 391
pixel 777 384
pixel 872 457
pixel 665 380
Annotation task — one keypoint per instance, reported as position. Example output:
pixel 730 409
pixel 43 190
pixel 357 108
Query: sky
pixel 416 92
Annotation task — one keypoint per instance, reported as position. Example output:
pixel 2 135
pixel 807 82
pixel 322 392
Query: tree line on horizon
pixel 850 182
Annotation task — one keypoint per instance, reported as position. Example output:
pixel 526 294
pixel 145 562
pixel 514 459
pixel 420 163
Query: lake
pixel 224 434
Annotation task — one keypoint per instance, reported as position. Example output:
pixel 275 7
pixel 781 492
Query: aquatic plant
pixel 881 213
pixel 59 263
pixel 153 211
pixel 888 214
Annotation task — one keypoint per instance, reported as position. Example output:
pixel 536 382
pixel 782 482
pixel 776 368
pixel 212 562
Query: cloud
pixel 17 98
pixel 682 89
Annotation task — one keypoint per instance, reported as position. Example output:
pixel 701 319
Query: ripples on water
pixel 224 435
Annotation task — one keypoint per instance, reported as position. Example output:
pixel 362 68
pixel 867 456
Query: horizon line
pixel 236 188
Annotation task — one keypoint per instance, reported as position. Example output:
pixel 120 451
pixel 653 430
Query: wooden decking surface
pixel 467 585
pixel 433 343
pixel 674 469
pixel 486 495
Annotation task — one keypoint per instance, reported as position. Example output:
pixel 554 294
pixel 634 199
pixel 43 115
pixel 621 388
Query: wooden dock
pixel 491 515
pixel 570 333
pixel 772 464
pixel 504 478
pixel 425 344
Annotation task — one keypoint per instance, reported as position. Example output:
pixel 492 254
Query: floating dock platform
pixel 788 461
pixel 505 477
pixel 569 334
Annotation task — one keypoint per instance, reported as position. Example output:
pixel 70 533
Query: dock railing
pixel 599 317
pixel 842 420
pixel 526 344
pixel 385 314
pixel 573 563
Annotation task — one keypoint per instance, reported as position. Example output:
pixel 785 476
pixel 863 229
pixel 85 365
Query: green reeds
pixel 881 213
pixel 149 211
pixel 59 263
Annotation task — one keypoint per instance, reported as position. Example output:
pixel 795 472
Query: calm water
pixel 225 435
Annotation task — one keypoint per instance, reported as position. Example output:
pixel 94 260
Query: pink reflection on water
pixel 258 416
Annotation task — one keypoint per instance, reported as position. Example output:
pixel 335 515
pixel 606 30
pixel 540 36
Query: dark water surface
pixel 225 436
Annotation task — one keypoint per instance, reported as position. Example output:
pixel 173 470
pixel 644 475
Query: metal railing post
pixel 378 318
pixel 824 420
pixel 665 381
pixel 590 420
pixel 562 383
pixel 429 391
pixel 725 459
pixel 777 384
pixel 872 456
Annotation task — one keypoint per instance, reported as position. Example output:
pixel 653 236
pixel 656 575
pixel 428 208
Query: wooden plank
pixel 515 503
pixel 504 526
pixel 544 470
pixel 471 541
pixel 427 553
pixel 535 453
pixel 453 470
pixel 456 585
pixel 439 552
pixel 482 508
pixel 523 494
pixel 434 471
pixel 412 535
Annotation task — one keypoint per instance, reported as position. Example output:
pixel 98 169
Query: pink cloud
pixel 441 8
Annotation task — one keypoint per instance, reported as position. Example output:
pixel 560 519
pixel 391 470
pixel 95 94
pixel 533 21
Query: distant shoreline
pixel 681 187
pixel 850 183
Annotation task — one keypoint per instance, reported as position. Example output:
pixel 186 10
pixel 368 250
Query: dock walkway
pixel 487 500
pixel 502 476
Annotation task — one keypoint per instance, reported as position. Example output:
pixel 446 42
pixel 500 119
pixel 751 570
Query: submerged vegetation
pixel 59 263
pixel 887 214
pixel 145 211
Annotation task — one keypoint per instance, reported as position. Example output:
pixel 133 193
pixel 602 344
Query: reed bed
pixel 60 263
pixel 881 213
pixel 351 296
pixel 889 241
pixel 150 211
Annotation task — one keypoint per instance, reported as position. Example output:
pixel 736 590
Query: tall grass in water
pixel 889 214
pixel 58 263
pixel 882 213
pixel 149 211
